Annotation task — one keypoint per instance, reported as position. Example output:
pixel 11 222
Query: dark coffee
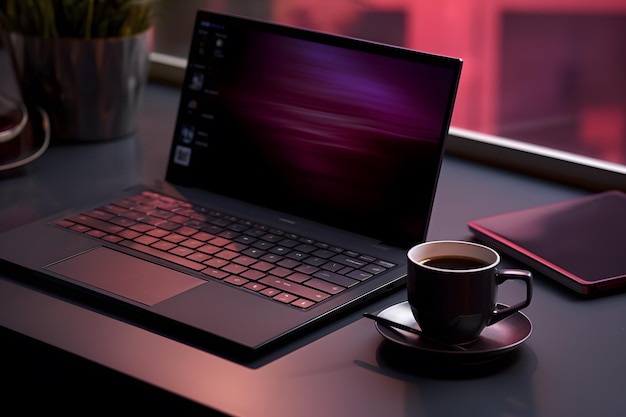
pixel 454 262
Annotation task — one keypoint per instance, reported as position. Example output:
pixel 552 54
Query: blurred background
pixel 543 72
pixel 547 72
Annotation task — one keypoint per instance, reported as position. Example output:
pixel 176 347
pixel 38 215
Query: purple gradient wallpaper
pixel 337 122
pixel 339 135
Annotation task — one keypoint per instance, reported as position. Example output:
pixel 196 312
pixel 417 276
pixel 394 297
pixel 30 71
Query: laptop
pixel 302 167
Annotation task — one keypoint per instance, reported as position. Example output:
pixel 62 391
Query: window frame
pixel 541 161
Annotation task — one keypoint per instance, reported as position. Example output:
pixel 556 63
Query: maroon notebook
pixel 580 243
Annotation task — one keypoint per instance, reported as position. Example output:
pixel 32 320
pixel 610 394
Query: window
pixel 542 88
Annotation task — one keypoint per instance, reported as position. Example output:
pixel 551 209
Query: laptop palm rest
pixel 125 275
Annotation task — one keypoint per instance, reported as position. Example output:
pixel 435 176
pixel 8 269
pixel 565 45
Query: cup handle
pixel 505 275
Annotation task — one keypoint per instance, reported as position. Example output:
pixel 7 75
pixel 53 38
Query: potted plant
pixel 85 62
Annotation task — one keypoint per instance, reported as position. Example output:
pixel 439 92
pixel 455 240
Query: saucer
pixel 494 341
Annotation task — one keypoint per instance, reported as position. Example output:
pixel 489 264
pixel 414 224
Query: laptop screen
pixel 336 130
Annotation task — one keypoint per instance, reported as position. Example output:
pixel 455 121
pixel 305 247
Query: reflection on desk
pixel 58 353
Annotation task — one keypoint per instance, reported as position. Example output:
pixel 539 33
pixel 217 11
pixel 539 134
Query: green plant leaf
pixel 77 18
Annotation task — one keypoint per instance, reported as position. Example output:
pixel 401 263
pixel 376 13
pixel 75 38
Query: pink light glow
pixel 474 31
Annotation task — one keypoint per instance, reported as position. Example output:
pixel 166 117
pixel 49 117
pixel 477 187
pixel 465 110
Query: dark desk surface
pixel 56 354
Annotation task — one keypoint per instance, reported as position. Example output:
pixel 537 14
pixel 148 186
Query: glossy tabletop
pixel 572 364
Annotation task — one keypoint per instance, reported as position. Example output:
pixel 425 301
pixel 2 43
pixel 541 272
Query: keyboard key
pixel 280 271
pixel 154 221
pixel 186 231
pixel 175 238
pixel 113 238
pixel 325 286
pixel 323 253
pixel 142 227
pixel 288 243
pixel 143 208
pixel 332 266
pixel 288 263
pixel 294 288
pixel 306 248
pixel 81 228
pixel 285 298
pixel 203 236
pixel 99 214
pixel 244 260
pixel 263 245
pixel 235 246
pixel 126 203
pixel 164 214
pixel 64 223
pixel 181 251
pixel 298 277
pixel 307 269
pixel 279 250
pixel 254 232
pixel 219 241
pixel 374 269
pixel 96 233
pixel 297 255
pixel 114 209
pixel 163 255
pixel 228 234
pixel 360 275
pixel 270 257
pixel 227 254
pixel 235 227
pixel 209 249
pixel 192 243
pixel 129 234
pixel 253 252
pixel 385 264
pixel 345 270
pixel 269 292
pixel 157 232
pixel 215 273
pixel 255 286
pixel 163 245
pixel 271 237
pixel 246 240
pixel 216 262
pixel 335 278
pixel 252 274
pixel 95 223
pixel 262 266
pixel 199 257
pixel 234 268
pixel 146 240
pixel 169 225
pixel 133 215
pixel 302 303
pixel 235 280
pixel 349 261
pixel 314 261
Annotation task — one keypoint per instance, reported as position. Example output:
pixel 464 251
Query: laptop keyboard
pixel 281 266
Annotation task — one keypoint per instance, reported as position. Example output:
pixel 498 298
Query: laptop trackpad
pixel 125 275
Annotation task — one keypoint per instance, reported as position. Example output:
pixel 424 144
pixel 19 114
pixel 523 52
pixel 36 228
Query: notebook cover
pixel 579 243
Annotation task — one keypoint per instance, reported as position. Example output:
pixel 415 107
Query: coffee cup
pixel 452 289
